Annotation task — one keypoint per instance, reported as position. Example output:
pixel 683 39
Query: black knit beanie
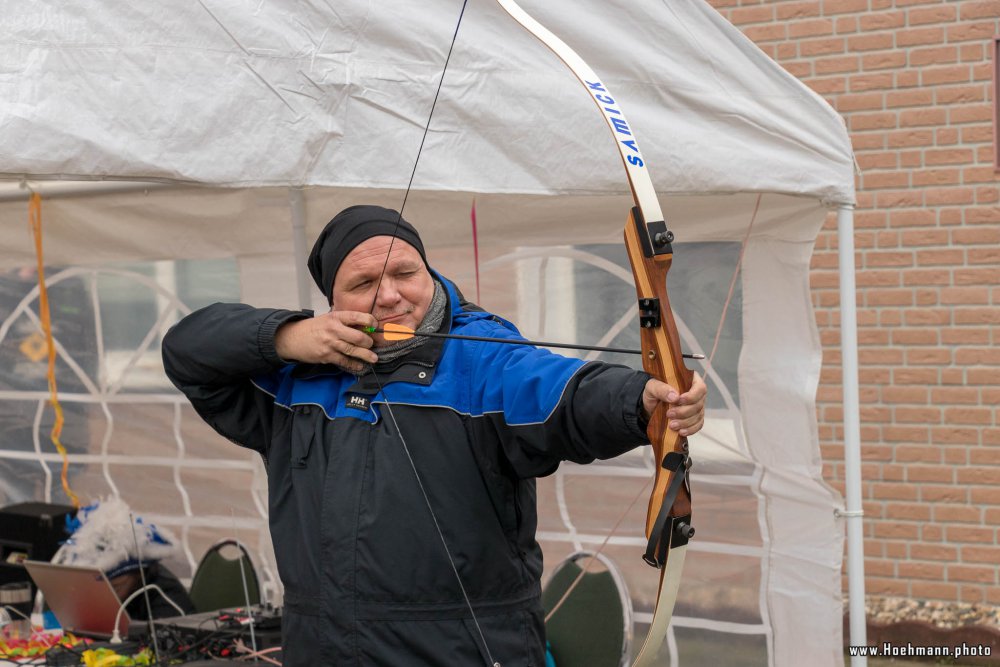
pixel 346 231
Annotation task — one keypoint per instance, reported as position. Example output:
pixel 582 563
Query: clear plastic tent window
pixel 128 432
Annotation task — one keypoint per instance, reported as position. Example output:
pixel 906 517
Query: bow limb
pixel 648 242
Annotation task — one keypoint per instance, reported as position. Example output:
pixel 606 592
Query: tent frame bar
pixel 52 189
pixel 854 514
pixel 300 243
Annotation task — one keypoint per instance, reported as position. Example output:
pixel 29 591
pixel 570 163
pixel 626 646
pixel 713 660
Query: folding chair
pixel 218 581
pixel 593 625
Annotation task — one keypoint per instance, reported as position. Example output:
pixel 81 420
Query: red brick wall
pixel 913 79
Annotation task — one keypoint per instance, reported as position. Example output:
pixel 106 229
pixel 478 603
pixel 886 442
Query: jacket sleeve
pixel 555 408
pixel 213 355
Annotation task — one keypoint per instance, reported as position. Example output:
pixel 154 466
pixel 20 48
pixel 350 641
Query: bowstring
pixel 732 286
pixel 708 369
pixel 437 526
pixel 593 557
pixel 378 381
pixel 420 149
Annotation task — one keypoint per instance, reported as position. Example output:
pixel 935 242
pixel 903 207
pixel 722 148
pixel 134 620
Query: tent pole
pixel 852 433
pixel 296 201
pixel 55 189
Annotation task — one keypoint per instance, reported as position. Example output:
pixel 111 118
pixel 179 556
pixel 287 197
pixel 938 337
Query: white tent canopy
pixel 250 124
pixel 242 94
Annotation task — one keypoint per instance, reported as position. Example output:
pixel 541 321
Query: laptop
pixel 81 598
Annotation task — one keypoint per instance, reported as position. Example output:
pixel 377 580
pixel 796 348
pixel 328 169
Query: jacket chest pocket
pixel 303 436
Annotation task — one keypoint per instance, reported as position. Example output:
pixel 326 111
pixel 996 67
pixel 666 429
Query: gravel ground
pixel 940 614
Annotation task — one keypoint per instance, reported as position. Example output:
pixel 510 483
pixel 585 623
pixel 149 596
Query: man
pixel 401 476
pixel 105 535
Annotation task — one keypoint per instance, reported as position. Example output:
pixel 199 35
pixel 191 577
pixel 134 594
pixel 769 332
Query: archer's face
pixel 406 289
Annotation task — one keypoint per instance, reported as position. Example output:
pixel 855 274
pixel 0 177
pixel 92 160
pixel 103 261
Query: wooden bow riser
pixel 662 359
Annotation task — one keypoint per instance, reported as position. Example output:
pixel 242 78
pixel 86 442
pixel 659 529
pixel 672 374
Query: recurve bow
pixel 650 251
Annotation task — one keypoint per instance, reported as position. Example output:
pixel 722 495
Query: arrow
pixel 395 332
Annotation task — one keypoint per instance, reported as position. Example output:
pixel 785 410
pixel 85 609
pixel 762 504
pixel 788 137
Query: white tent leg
pixel 852 433
pixel 302 279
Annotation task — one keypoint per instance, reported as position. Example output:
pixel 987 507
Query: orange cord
pixel 35 218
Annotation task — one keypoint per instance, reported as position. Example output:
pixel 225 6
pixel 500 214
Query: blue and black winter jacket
pixel 367 579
